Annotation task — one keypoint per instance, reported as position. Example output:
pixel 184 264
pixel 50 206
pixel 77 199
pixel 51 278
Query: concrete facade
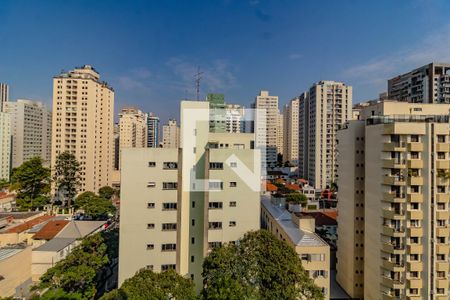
pixel 5 145
pixel 291 131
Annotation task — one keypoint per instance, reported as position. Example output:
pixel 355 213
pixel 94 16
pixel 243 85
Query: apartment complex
pixel 291 131
pixel 269 125
pixel 4 95
pixel 132 128
pixel 427 84
pixel 235 118
pixel 5 145
pixel 326 106
pixel 217 121
pixel 31 128
pixel 153 131
pixel 83 124
pixel 171 135
pixel 177 204
pixel 394 202
pixel 297 230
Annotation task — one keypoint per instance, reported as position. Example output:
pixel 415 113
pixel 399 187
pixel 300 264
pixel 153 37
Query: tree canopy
pixel 67 176
pixel 31 181
pixel 296 198
pixel 79 275
pixel 258 267
pixel 159 286
pixel 106 192
pixel 93 205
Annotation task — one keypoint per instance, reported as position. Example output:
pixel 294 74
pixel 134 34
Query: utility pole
pixel 198 77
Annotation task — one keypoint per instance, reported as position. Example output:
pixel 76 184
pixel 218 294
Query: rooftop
pixel 50 230
pixel 320 218
pixel 298 236
pixel 55 244
pixel 9 251
pixel 80 229
pixel 27 225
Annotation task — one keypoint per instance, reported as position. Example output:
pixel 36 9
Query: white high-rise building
pixel 272 124
pixel 234 114
pixel 168 219
pixel 4 95
pixel 83 124
pixel 153 131
pixel 31 126
pixel 323 109
pixel 291 131
pixel 5 145
pixel 171 135
pixel 132 129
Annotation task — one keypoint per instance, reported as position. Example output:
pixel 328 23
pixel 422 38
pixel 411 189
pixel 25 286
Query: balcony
pixel 415 163
pixel 442 147
pixel 415 146
pixel 394 214
pixel 443 164
pixel 442 231
pixel 442 267
pixel 415 214
pixel 394 180
pixel 392 163
pixel 393 249
pixel 414 266
pixel 393 232
pixel 415 284
pixel 394 266
pixel 416 180
pixel 442 283
pixel 442 214
pixel 393 283
pixel 394 146
pixel 386 296
pixel 415 197
pixel 441 181
pixel 442 249
pixel 415 249
pixel 415 231
pixel 443 197
pixel 394 197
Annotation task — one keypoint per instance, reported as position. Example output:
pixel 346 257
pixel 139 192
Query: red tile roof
pixel 322 218
pixel 28 225
pixel 293 187
pixel 271 187
pixel 49 230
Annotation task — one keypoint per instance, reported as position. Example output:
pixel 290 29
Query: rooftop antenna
pixel 198 77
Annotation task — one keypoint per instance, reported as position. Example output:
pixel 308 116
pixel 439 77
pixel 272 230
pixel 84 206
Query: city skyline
pixel 150 52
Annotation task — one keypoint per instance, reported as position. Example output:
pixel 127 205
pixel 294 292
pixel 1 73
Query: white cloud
pixel 294 56
pixel 434 48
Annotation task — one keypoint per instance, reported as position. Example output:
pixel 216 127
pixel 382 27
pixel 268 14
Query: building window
pixel 150 205
pixel 150 246
pixel 215 205
pixel 168 247
pixel 441 138
pixel 233 184
pixel 168 267
pixel 233 164
pixel 150 225
pixel 216 185
pixel 232 203
pixel 151 184
pixel 192 258
pixel 192 240
pixel 151 164
pixel 213 245
pixel 149 267
pixel 215 225
pixel 232 224
pixel 170 185
pixel 169 226
pixel 215 166
pixel 170 165
pixel 170 206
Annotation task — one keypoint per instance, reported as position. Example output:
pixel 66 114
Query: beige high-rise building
pixel 83 124
pixel 177 204
pixel 291 131
pixel 31 127
pixel 171 135
pixel 326 106
pixel 394 202
pixel 132 128
pixel 298 230
pixel 272 125
pixel 5 145
pixel 280 134
pixel 4 95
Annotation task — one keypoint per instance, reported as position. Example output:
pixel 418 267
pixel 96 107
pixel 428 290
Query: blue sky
pixel 149 50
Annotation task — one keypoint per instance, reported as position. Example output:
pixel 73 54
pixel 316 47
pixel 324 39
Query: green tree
pixel 106 192
pixel 82 199
pixel 82 271
pixel 159 286
pixel 4 184
pixel 67 176
pixel 258 267
pixel 99 207
pixel 31 181
pixel 296 198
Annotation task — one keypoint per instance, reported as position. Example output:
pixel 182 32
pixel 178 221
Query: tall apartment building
pixel 116 146
pixel 291 131
pixel 168 219
pixel 171 135
pixel 270 120
pixel 83 124
pixel 4 95
pixel 5 145
pixel 153 131
pixel 427 84
pixel 31 127
pixel 132 128
pixel 217 122
pixel 234 118
pixel 280 134
pixel 394 202
pixel 326 106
